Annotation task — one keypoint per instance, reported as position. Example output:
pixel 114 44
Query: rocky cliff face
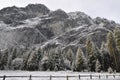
pixel 35 25
pixel 12 15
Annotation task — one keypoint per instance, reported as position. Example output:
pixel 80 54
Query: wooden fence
pixel 66 77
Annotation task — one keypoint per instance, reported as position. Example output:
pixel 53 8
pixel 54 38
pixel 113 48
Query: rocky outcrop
pixel 36 25
pixel 12 15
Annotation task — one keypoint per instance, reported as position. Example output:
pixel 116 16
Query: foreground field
pixel 61 75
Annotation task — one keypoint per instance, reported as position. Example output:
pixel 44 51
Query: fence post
pixel 99 76
pixel 114 76
pixel 79 77
pixel 4 77
pixel 50 77
pixel 66 77
pixel 106 76
pixel 90 76
pixel 30 78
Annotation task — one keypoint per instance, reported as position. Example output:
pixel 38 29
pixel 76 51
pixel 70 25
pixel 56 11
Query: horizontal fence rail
pixel 67 77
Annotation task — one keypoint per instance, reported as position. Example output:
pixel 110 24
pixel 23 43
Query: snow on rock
pixel 2 25
pixel 28 23
pixel 77 28
pixel 31 23
pixel 77 14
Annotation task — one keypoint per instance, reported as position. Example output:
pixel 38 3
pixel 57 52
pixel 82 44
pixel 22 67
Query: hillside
pixel 24 30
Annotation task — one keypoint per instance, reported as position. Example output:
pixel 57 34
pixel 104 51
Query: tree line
pixel 91 58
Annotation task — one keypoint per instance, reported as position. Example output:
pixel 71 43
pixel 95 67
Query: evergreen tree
pixel 89 47
pixel 97 66
pixel 97 53
pixel 55 59
pixel 4 59
pixel 45 63
pixel 69 55
pixel 33 62
pixel 80 65
pixel 91 55
pixel 25 59
pixel 9 62
pixel 39 54
pixel 117 38
pixel 105 62
pixel 52 55
pixel 91 62
pixel 73 67
pixel 112 50
pixel 14 53
pixel 117 41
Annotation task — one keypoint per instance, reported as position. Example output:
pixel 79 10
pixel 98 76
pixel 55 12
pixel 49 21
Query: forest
pixel 88 58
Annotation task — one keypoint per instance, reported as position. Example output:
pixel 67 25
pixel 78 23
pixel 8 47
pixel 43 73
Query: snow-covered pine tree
pixel 9 62
pixel 89 47
pixel 4 59
pixel 69 55
pixel 80 62
pixel 97 66
pixel 39 53
pixel 33 62
pixel 91 55
pixel 45 64
pixel 105 63
pixel 14 53
pixel 117 41
pixel 17 63
pixel 25 59
pixel 117 38
pixel 112 50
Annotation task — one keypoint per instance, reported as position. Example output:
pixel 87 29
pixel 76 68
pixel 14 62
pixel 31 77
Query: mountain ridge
pixel 41 39
pixel 55 22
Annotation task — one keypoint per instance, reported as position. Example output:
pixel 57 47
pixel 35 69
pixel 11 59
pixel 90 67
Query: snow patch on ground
pixel 60 73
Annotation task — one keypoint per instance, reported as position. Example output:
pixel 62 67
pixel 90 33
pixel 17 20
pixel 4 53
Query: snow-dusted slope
pixel 36 25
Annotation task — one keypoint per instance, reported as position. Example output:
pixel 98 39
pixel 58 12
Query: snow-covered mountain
pixel 35 25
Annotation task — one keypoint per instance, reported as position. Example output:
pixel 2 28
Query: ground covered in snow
pixel 61 75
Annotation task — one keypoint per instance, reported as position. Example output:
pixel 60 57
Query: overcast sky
pixel 109 9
